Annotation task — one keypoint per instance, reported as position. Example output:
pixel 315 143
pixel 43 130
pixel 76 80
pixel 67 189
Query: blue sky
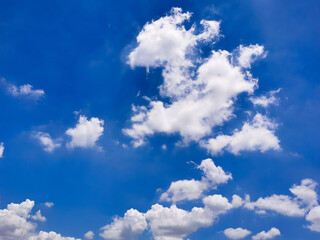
pixel 71 75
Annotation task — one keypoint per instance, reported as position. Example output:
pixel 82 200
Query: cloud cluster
pixel 305 198
pixel 16 222
pixel 198 94
pixel 84 135
pixel 169 222
pixel 173 222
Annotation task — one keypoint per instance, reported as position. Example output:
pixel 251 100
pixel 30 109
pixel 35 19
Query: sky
pixel 165 120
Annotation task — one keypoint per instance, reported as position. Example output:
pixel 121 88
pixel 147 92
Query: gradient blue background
pixel 76 51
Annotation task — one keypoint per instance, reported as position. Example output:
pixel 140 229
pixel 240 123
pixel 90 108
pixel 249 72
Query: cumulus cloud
pixel 1 149
pixel 14 222
pixel 47 142
pixel 306 192
pixel 175 223
pixel 201 92
pixel 129 227
pixel 86 133
pixel 89 235
pixel 50 236
pixel 272 233
pixel 248 54
pixel 257 135
pixel 236 233
pixel 266 100
pixel 314 217
pixel 169 223
pixel 25 90
pixel 193 189
pixel 306 197
pixel 38 217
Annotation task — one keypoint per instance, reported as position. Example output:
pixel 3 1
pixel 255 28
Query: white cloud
pixel 306 192
pixel 184 190
pixel 258 135
pixel 193 189
pixel 169 223
pixel 86 132
pixel 49 204
pixel 1 149
pixel 25 90
pixel 38 217
pixel 129 227
pixel 14 222
pixel 314 217
pixel 272 233
pixel 282 204
pixel 248 54
pixel 174 223
pixel 89 235
pixel 200 97
pixel 218 204
pixel 163 41
pixel 236 233
pixel 214 174
pixel 47 142
pixel 306 198
pixel 50 236
pixel 266 100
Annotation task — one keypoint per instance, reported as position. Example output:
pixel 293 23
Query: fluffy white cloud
pixel 25 90
pixel 306 192
pixel 248 54
pixel 50 236
pixel 236 233
pixel 266 100
pixel 86 132
pixel 218 204
pixel 306 197
pixel 184 190
pixel 193 189
pixel 14 222
pixel 272 233
pixel 201 95
pixel 174 223
pixel 169 223
pixel 258 135
pixel 314 217
pixel 47 142
pixel 1 149
pixel 129 227
pixel 89 235
pixel 282 204
pixel 38 217
pixel 163 41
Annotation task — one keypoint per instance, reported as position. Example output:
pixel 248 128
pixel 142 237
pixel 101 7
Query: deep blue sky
pixel 76 51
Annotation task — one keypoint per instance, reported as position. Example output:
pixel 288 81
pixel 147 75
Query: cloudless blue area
pixel 76 51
